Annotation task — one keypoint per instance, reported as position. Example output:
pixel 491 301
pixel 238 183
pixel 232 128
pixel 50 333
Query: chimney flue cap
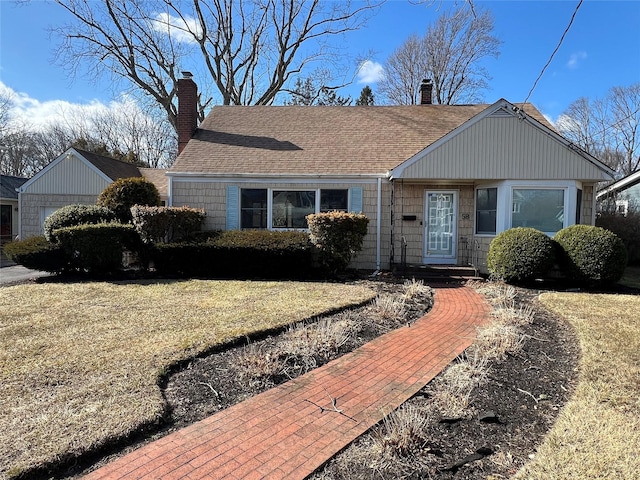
pixel 186 74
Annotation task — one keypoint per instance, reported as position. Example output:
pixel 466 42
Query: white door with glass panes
pixel 440 227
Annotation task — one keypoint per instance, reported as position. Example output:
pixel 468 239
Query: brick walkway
pixel 280 434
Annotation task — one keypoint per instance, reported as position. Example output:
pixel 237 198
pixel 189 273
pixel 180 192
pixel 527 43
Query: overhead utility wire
pixel 554 52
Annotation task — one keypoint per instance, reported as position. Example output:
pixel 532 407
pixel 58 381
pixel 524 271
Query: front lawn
pixel 80 362
pixel 597 434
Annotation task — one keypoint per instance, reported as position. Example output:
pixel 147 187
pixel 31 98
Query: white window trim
pixel 505 201
pixel 270 191
pixel 498 209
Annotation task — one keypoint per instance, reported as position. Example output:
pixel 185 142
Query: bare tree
pixel 312 91
pixel 450 53
pixel 455 46
pixel 248 48
pixel 608 128
pixel 404 70
pixel 625 107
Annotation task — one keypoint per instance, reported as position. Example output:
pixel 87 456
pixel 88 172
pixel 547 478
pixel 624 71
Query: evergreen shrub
pixel 627 227
pixel 238 254
pixel 73 215
pixel 124 193
pixel 97 249
pixel 520 254
pixel 339 236
pixel 591 255
pixel 166 224
pixel 38 253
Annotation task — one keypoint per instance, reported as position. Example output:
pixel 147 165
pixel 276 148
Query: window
pixel 542 209
pixel 270 208
pixel 486 208
pixel 290 208
pixel 253 208
pixel 332 200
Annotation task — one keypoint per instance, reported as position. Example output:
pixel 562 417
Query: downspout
pixel 378 227
pixel 19 214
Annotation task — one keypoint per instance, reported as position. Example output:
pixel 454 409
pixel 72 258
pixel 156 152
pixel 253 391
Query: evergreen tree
pixel 366 97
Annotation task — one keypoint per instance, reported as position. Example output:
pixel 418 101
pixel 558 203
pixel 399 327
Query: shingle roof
pixel 159 178
pixel 111 167
pixel 318 140
pixel 8 185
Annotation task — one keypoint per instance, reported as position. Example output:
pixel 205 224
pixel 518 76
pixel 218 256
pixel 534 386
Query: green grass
pixel 597 434
pixel 80 362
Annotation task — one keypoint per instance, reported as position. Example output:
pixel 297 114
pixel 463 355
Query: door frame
pixel 441 259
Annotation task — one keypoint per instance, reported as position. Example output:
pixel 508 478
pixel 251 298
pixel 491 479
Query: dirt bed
pixel 518 403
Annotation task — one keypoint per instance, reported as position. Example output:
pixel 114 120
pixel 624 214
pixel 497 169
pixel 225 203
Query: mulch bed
pixel 520 401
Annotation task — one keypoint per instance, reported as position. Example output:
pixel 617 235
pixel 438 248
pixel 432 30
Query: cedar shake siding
pixel 393 160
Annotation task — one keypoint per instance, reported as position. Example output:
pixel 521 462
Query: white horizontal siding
pixel 498 148
pixel 71 176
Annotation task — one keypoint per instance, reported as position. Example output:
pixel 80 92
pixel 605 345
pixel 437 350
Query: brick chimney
pixel 426 92
pixel 187 109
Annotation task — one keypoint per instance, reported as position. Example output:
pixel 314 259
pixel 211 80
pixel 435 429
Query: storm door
pixel 440 227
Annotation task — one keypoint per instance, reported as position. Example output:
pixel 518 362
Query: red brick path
pixel 279 434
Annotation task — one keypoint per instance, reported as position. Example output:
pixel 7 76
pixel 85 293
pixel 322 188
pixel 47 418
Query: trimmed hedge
pixel 166 224
pixel 38 253
pixel 97 249
pixel 124 193
pixel 591 255
pixel 627 227
pixel 238 254
pixel 520 254
pixel 339 237
pixel 73 215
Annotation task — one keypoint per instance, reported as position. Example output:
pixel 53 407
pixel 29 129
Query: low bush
pixel 627 227
pixel 73 215
pixel 520 254
pixel 339 237
pixel 97 249
pixel 124 193
pixel 591 255
pixel 166 224
pixel 239 254
pixel 38 253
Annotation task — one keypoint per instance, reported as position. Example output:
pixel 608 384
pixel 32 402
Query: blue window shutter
pixel 233 207
pixel 355 199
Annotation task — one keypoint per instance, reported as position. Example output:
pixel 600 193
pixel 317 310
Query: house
pixel 9 207
pixel 75 177
pixel 438 182
pixel 621 196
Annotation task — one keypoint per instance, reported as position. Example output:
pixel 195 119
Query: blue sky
pixel 601 50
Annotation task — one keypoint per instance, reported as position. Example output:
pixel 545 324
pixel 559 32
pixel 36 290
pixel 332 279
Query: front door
pixel 440 227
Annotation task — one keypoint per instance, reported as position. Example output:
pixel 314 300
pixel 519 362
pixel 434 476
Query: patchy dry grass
pixel 598 432
pixel 79 363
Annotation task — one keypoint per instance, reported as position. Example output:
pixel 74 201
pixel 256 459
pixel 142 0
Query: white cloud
pixel 180 29
pixel 39 115
pixel 370 72
pixel 575 59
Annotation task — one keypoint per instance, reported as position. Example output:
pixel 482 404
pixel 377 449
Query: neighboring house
pixel 75 177
pixel 437 182
pixel 9 207
pixel 621 196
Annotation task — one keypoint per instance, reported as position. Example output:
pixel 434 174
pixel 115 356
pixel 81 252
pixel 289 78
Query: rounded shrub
pixel 73 215
pixel 520 254
pixel 38 253
pixel 97 249
pixel 124 193
pixel 591 255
